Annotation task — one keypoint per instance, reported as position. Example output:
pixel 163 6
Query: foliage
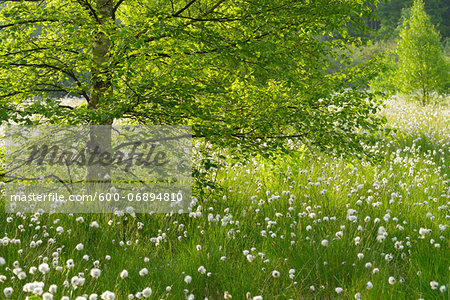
pixel 421 63
pixel 390 16
pixel 386 81
pixel 245 74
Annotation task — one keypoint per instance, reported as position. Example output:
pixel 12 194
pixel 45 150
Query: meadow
pixel 305 226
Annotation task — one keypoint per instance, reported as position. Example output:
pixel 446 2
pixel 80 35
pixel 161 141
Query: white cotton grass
pixel 124 274
pixel 147 292
pixel 201 270
pixel 70 263
pixel 434 285
pixel 107 295
pixel 44 268
pixel 8 291
pixel 95 272
pixel 143 272
pixel 188 279
pixel 47 296
pixel 280 226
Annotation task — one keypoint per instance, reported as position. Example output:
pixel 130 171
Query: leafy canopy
pixel 245 73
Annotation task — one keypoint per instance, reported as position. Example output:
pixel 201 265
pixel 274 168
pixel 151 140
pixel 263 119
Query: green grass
pixel 415 178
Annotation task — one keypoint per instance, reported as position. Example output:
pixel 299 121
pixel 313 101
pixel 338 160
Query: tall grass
pixel 306 226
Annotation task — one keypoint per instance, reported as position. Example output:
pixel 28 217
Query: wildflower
pixel 79 247
pixel 381 238
pixel 94 224
pixel 95 273
pixel 275 274
pixel 202 270
pixel 124 274
pixel 324 243
pixel 424 231
pixel 434 285
pixel 70 264
pixel 8 292
pixel 369 285
pixel 188 279
pixel 44 268
pixel 108 295
pixel 147 292
pixel 53 288
pixel 339 290
pixel 391 280
pixel 47 296
pixel 143 272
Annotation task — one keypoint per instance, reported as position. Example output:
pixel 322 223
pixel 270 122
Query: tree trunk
pixel 99 140
pixel 424 94
pixel 101 74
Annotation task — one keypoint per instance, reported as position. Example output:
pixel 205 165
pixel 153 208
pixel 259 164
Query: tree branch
pixel 183 9
pixel 67 72
pixel 89 7
pixel 115 8
pixel 27 22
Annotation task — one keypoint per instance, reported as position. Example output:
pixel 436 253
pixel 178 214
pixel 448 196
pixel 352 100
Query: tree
pixel 390 16
pixel 246 74
pixel 422 65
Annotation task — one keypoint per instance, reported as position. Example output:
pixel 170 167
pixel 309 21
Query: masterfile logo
pixel 98 168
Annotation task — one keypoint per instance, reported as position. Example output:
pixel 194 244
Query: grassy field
pixel 308 226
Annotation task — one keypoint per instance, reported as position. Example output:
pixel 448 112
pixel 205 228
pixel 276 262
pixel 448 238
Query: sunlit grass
pixel 265 232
